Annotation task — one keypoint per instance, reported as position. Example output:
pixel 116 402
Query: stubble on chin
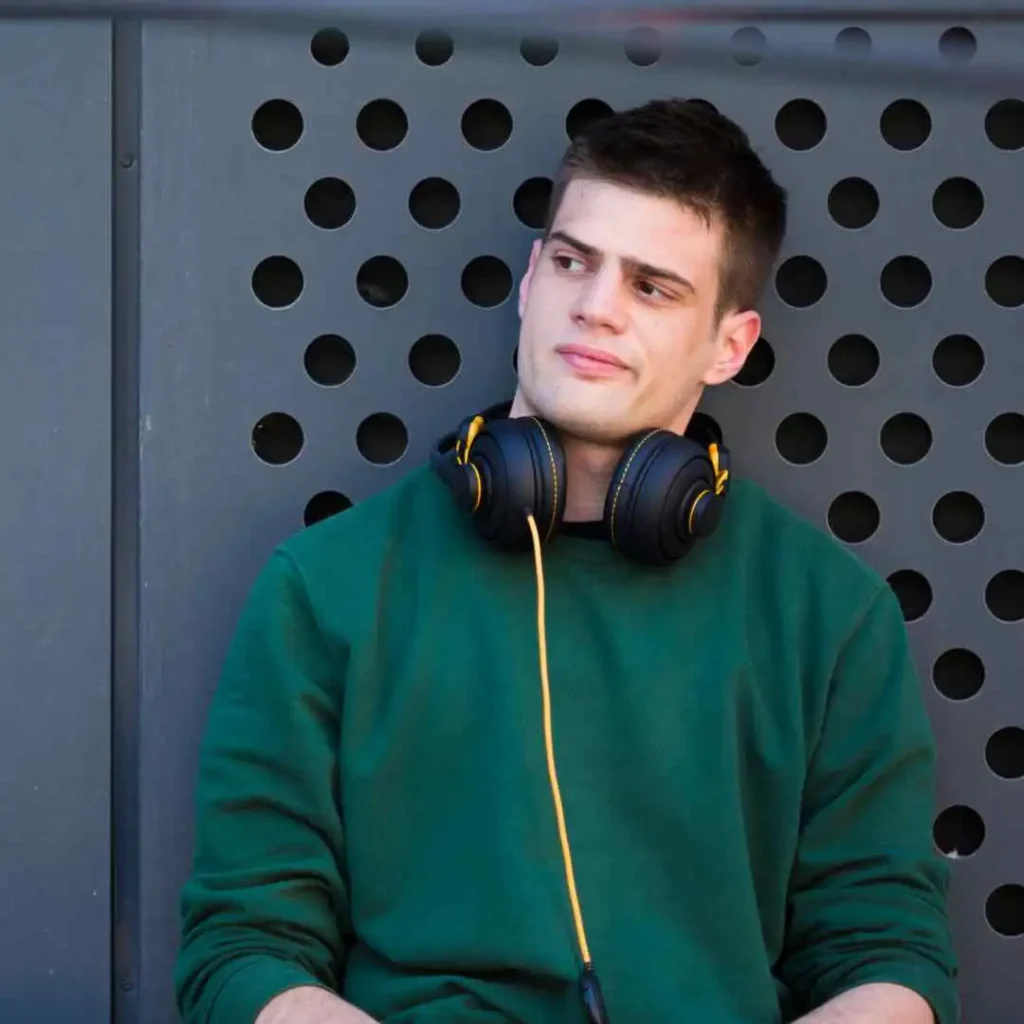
pixel 591 419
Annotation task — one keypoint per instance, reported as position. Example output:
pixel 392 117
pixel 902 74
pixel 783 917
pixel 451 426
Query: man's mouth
pixel 591 361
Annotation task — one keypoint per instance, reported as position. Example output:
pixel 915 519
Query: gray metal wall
pixel 55 522
pixel 316 240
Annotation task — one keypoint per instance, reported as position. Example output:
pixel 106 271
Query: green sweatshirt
pixel 743 754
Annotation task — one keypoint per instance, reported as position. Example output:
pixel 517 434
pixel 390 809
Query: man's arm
pixel 310 1006
pixel 873 1003
pixel 264 909
pixel 867 898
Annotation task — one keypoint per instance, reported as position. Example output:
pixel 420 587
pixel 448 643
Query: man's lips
pixel 591 360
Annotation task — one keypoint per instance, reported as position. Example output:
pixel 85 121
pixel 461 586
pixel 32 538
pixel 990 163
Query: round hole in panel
pixel 538 51
pixel 906 281
pixel 434 203
pixel 382 438
pixel 381 124
pixel 643 46
pixel 905 124
pixel 1004 281
pixel 958 203
pixel 1004 910
pixel 277 438
pixel 277 281
pixel 853 42
pixel 1004 595
pixel 853 517
pixel 958 44
pixel 324 505
pixel 329 47
pixel 1004 438
pixel 748 46
pixel 913 592
pixel 382 281
pixel 487 281
pixel 800 124
pixel 277 125
pixel 853 360
pixel 329 360
pixel 958 360
pixel 906 438
pixel 329 203
pixel 959 831
pixel 958 673
pixel 853 203
pixel 583 114
pixel 532 200
pixel 1004 752
pixel 958 517
pixel 801 281
pixel 1004 124
pixel 434 47
pixel 434 360
pixel 486 124
pixel 801 438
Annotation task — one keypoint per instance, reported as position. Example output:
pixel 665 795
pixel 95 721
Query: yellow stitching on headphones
pixel 693 509
pixel 479 487
pixel 622 479
pixel 554 477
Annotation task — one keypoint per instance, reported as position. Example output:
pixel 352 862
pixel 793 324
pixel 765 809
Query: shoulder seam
pixel 875 595
pixel 281 551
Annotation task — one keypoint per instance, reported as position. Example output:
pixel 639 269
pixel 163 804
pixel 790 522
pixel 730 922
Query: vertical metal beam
pixel 125 737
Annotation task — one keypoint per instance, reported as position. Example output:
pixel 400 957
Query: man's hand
pixel 310 1005
pixel 879 1003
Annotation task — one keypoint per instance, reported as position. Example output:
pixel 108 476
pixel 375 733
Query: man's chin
pixel 593 420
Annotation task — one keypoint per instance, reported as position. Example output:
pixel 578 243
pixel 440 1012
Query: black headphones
pixel 667 490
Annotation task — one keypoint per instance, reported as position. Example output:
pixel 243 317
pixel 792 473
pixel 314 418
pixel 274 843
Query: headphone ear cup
pixel 521 466
pixel 661 498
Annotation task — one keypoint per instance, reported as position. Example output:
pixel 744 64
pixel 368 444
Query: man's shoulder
pixel 771 533
pixel 373 525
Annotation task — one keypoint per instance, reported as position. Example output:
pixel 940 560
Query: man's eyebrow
pixel 636 266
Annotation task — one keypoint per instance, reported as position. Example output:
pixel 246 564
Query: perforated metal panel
pixel 332 229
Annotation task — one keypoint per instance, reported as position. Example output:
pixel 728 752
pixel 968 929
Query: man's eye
pixel 565 262
pixel 650 289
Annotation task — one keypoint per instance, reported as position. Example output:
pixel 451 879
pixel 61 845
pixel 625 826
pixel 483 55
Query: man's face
pixel 618 315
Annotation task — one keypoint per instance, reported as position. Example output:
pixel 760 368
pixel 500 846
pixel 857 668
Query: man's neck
pixel 589 469
pixel 588 466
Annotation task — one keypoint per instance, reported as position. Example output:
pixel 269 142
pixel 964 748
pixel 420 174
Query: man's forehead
pixel 612 221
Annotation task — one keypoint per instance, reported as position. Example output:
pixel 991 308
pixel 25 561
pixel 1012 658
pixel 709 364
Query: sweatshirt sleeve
pixel 868 891
pixel 263 908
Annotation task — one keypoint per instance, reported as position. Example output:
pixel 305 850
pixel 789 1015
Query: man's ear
pixel 737 335
pixel 524 284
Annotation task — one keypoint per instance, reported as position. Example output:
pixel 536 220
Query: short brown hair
pixel 686 150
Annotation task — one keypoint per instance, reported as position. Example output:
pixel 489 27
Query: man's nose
pixel 601 301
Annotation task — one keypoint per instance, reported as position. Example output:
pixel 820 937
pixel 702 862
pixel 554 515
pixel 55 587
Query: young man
pixel 572 725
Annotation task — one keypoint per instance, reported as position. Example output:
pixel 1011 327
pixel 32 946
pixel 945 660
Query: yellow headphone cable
pixel 589 985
